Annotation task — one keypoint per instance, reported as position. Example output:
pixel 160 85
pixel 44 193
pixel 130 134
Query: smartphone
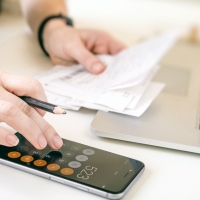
pixel 83 167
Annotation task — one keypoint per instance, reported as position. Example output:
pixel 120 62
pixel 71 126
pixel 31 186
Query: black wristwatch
pixel 42 25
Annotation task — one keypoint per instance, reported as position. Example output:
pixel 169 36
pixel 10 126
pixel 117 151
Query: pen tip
pixel 64 112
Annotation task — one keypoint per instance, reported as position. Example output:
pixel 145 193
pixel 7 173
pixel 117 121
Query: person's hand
pixel 20 116
pixel 67 45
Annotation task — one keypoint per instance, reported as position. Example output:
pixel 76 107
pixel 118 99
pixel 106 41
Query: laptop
pixel 173 119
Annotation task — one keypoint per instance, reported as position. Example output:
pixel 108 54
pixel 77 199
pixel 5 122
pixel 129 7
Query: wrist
pixel 52 31
pixel 49 25
pixel 52 25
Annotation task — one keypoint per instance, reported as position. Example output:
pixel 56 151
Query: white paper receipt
pixel 124 87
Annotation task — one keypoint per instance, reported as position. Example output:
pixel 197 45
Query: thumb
pixel 88 60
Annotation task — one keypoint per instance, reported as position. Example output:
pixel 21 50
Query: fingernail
pixel 42 141
pixel 12 140
pixel 97 67
pixel 57 141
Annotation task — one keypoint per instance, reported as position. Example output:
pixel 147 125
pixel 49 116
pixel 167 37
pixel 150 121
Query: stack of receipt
pixel 124 87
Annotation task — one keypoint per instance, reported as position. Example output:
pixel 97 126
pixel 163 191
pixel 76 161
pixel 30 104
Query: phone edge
pixel 120 195
pixel 71 183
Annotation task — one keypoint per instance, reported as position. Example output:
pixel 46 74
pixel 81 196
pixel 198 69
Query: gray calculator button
pixel 81 158
pixel 65 144
pixel 74 164
pixel 75 148
pixel 88 152
pixel 68 154
pixel 28 143
pixel 22 148
pixel 35 152
pixel 61 161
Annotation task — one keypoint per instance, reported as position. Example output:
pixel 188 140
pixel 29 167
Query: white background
pixel 169 174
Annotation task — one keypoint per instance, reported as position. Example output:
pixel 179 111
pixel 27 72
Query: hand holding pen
pixel 25 119
pixel 43 105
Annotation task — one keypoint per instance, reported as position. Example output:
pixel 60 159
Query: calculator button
pixel 53 167
pixel 68 154
pixel 81 158
pixel 35 152
pixel 88 152
pixel 75 148
pixel 27 159
pixel 40 163
pixel 53 156
pixel 61 161
pixel 28 143
pixel 67 171
pixel 22 148
pixel 14 154
pixel 47 157
pixel 65 144
pixel 74 164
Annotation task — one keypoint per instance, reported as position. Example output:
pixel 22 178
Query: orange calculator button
pixel 14 154
pixel 67 171
pixel 40 163
pixel 27 159
pixel 53 167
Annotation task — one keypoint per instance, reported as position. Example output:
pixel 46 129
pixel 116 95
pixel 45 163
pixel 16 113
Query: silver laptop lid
pixel 173 119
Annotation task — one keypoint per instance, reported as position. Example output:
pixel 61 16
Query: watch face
pixel 77 162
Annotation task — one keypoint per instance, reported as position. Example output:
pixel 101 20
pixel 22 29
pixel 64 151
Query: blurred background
pixel 128 20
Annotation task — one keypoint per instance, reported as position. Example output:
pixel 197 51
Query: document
pixel 124 87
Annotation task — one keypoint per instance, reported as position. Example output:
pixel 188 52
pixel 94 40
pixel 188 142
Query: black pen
pixel 43 105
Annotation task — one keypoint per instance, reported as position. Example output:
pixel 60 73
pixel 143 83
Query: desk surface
pixel 169 174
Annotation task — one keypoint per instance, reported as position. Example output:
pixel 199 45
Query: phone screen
pixel 77 162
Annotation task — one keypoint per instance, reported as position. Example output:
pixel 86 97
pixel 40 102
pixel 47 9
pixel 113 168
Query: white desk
pixel 169 174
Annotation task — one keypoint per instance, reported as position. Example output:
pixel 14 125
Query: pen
pixel 43 105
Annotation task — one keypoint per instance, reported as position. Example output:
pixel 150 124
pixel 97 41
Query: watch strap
pixel 68 21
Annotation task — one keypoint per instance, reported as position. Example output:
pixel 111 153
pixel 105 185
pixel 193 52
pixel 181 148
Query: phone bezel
pixel 72 183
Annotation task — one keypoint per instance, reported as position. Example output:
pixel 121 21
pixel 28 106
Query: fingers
pixel 15 118
pixel 41 133
pixel 87 59
pixel 8 139
pixel 107 46
pixel 101 49
pixel 115 46
pixel 23 118
pixel 59 61
pixel 100 42
pixel 66 44
pixel 23 86
pixel 93 42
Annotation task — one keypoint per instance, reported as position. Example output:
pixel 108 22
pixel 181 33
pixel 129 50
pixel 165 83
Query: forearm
pixel 35 11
